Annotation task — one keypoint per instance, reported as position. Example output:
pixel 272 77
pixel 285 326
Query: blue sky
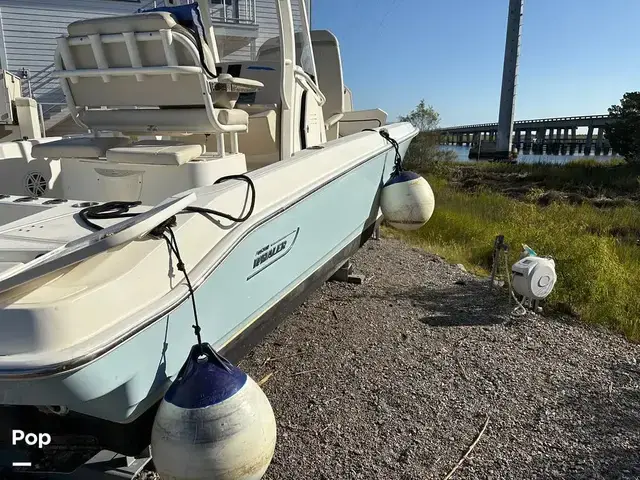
pixel 577 57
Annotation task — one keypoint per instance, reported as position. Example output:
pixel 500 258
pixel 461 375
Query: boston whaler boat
pixel 256 176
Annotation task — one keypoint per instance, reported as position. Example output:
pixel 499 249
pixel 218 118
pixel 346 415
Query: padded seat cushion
pixel 140 22
pixel 232 116
pixel 151 152
pixel 78 147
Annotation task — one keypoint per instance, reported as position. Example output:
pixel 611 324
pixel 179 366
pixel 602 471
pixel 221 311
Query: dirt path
pixel 394 379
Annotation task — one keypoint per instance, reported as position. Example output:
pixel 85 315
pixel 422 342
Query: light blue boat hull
pixel 235 303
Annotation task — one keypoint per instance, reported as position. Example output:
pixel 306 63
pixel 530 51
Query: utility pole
pixel 509 79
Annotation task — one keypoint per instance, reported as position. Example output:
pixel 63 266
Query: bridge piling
pixel 599 140
pixel 549 149
pixel 588 141
pixel 546 146
pixel 572 145
pixel 527 142
pixel 518 140
pixel 537 150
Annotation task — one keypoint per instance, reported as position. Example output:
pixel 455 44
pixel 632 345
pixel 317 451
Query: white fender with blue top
pixel 213 423
pixel 407 201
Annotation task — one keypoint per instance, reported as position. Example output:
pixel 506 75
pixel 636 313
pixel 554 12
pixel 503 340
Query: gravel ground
pixel 395 378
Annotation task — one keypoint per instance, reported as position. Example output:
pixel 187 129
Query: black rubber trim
pixel 303 124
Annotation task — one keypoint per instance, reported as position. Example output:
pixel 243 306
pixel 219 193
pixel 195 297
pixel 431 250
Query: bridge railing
pixel 526 122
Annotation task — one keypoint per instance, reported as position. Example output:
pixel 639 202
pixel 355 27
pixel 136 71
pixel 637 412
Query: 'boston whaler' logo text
pixel 273 252
pixel 266 253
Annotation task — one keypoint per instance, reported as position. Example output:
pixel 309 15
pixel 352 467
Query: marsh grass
pixel 583 175
pixel 595 250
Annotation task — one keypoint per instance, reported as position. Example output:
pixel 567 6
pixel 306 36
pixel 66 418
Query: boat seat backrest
pixel 174 120
pixel 139 22
pixel 329 66
pixel 127 91
pixel 326 52
pixel 134 63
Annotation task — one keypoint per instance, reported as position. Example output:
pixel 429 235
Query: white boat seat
pixel 140 22
pixel 150 152
pixel 233 117
pixel 175 120
pixel 78 147
pixel 141 73
pixel 326 52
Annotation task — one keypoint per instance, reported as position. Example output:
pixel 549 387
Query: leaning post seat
pixel 142 74
pixel 145 75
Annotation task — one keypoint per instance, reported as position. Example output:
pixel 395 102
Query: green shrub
pixel 424 154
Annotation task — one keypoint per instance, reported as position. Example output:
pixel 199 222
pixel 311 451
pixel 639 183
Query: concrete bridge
pixel 543 135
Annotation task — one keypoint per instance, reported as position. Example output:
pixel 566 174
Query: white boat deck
pixel 56 238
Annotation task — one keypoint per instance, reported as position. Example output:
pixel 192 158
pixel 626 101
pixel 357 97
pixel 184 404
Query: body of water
pixel 463 156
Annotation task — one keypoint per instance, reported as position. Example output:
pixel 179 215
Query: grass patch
pixel 590 162
pixel 583 176
pixel 597 272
